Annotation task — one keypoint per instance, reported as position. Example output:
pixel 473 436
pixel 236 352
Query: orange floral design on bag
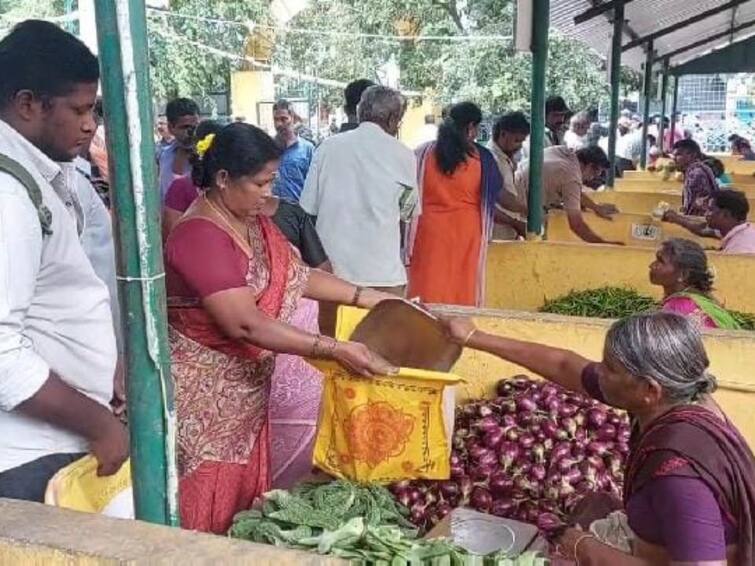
pixel 377 432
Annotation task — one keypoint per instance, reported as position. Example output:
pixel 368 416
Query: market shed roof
pixel 682 30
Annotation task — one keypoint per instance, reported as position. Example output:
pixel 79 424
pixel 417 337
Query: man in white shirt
pixel 361 186
pixel 576 136
pixel 57 346
pixel 509 133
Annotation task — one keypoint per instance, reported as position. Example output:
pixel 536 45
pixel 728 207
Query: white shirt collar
pixel 44 165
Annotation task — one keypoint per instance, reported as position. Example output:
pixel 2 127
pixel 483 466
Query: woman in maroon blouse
pixel 689 490
pixel 234 282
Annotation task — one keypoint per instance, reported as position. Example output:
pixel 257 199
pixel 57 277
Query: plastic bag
pixel 385 428
pixel 78 487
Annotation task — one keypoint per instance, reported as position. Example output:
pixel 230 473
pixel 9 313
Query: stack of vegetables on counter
pixel 617 302
pixel 530 454
pixel 360 523
pixel 604 302
pixel 746 320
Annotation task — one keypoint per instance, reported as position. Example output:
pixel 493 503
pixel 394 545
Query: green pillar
pixel 68 9
pixel 540 23
pixel 647 86
pixel 664 92
pixel 618 31
pixel 674 102
pixel 122 40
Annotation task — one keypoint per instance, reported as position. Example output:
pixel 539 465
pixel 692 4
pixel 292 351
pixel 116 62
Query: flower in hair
pixel 204 144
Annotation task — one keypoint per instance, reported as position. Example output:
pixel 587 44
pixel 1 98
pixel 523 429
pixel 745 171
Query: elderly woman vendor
pixel 689 492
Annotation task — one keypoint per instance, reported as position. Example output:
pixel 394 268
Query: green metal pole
pixel 122 40
pixel 69 25
pixel 618 31
pixel 664 96
pixel 647 86
pixel 539 46
pixel 674 103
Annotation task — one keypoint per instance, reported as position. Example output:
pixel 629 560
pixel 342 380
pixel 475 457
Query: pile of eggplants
pixel 530 454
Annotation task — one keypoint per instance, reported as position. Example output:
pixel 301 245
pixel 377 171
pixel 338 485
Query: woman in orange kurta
pixel 459 184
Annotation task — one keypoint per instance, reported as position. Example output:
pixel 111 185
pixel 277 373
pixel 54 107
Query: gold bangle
pixel 579 541
pixel 357 295
pixel 469 336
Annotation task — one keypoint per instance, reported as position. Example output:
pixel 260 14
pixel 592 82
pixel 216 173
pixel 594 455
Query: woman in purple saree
pixel 689 492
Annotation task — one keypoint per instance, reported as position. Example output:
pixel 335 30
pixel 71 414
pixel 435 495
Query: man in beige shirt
pixel 564 173
pixel 509 133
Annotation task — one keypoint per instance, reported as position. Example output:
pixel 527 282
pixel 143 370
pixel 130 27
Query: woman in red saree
pixel 234 282
pixel 689 489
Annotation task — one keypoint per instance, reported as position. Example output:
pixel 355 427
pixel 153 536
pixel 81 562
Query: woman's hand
pixel 571 541
pixel 360 360
pixel 368 298
pixel 671 216
pixel 458 329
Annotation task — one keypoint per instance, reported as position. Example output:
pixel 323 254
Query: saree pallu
pixel 691 441
pixel 222 389
pixel 706 312
pixel 490 186
pixel 294 407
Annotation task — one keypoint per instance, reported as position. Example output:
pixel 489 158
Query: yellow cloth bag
pixel 78 487
pixel 382 429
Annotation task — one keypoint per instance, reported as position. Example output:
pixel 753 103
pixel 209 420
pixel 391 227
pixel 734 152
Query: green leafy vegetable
pixel 363 524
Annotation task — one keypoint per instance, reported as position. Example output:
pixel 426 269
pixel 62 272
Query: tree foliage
pixel 488 72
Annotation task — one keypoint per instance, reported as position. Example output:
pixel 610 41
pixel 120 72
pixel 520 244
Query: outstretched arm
pixel 560 366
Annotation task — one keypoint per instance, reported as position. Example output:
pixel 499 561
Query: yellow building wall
pixel 414 120
pixel 523 275
pixel 732 357
pixel 632 229
pixel 247 89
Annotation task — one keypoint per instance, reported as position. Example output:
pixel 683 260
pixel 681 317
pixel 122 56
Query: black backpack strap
pixel 19 172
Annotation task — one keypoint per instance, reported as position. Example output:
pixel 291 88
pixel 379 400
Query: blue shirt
pixel 293 169
pixel 165 159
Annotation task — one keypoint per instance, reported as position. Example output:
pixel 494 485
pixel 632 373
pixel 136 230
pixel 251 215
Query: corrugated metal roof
pixel 644 17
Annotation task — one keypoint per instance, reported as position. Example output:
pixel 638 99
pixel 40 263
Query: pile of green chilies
pixel 604 302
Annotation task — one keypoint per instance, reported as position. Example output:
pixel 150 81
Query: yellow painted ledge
pixel 524 275
pixel 732 356
pixel 644 202
pixel 670 187
pixel 32 534
pixel 633 229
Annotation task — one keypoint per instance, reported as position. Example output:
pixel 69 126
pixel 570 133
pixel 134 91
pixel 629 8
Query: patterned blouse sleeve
pixel 205 257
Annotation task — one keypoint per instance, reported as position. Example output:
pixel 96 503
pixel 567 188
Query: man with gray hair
pixel 361 186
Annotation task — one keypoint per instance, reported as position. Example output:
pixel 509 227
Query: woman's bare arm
pixel 563 367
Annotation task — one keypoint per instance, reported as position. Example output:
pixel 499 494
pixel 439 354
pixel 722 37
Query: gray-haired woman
pixel 681 268
pixel 689 493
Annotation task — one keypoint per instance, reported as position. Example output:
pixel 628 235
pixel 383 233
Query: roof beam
pixel 701 42
pixel 597 10
pixel 679 25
